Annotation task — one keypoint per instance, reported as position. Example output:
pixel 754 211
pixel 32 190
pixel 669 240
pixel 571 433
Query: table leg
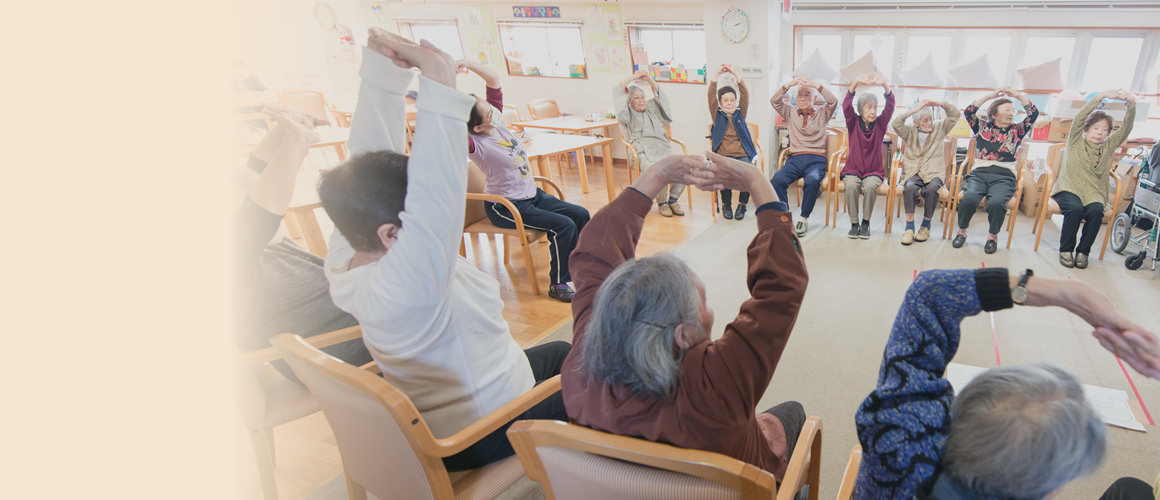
pixel 583 167
pixel 542 164
pixel 609 179
pixel 340 150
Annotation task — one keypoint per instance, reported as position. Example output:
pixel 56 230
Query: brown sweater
pixel 721 381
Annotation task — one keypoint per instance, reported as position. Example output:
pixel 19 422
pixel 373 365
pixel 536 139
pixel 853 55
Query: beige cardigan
pixel 927 162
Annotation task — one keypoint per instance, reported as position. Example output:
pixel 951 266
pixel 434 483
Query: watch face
pixel 1019 295
pixel 735 25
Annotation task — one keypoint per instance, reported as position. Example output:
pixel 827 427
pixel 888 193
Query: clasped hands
pixel 713 172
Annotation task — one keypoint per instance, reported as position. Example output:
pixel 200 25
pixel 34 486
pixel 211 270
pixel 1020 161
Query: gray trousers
pixel 928 190
pixel 997 184
pixel 869 189
pixel 670 193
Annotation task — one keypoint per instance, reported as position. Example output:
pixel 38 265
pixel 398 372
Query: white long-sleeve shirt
pixel 431 320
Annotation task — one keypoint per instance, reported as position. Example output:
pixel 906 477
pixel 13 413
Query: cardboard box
pixel 1059 129
pixel 1032 195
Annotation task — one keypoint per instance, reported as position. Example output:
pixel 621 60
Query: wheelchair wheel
pixel 1134 262
pixel 1121 228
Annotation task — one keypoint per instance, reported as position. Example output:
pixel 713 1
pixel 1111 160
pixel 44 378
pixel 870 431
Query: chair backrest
pixel 302 224
pixel 307 101
pixel 571 461
pixel 476 183
pixel 511 115
pixel 543 108
pixel 850 476
pixel 381 435
pixel 1055 157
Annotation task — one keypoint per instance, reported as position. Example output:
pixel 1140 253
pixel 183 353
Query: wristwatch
pixel 1019 293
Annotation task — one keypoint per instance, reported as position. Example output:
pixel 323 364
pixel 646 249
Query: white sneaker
pixel 800 226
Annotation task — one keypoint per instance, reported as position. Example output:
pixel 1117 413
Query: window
pixel 1040 49
pixel 444 34
pixel 829 47
pixel 883 49
pixel 997 48
pixel 543 49
pixel 1111 64
pixel 918 47
pixel 674 53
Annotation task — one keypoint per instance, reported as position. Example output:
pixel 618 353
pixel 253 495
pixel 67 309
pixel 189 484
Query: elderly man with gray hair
pixel 642 363
pixel 1014 432
pixel 645 121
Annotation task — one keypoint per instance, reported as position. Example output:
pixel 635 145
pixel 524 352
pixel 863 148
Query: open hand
pixel 432 62
pixel 724 173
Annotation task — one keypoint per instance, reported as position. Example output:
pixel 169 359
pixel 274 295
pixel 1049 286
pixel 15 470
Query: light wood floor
pixel 307 456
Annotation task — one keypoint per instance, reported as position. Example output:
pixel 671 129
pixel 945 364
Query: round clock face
pixel 735 25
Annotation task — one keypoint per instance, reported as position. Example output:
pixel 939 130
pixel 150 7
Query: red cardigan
pixel 721 381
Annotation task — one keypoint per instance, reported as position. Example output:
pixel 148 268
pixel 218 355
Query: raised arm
pixel 742 97
pixel 486 73
pixel 620 101
pixel 661 101
pixel 713 105
pixel 952 118
pixel 1125 130
pixel 1032 112
pixel 610 237
pixel 887 110
pixel 780 106
pixel 848 111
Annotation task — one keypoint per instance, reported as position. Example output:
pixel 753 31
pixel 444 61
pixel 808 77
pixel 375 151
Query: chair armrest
pixel 373 367
pixel 322 340
pixel 556 187
pixel 630 151
pixel 781 158
pixel 809 443
pixel 473 433
pixel 850 475
pixel 494 198
pixel 1048 185
pixel 684 149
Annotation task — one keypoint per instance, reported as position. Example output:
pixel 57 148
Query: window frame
pixel 500 25
pixel 632 32
pixel 404 27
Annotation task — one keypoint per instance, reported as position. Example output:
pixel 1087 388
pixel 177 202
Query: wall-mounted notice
pixel 607 42
pixel 477 27
pixel 535 12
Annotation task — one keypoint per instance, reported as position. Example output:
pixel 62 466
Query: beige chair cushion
pixel 578 475
pixel 286 400
pixel 489 481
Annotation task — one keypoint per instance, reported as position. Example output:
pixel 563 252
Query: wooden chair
pixel 386 446
pixel 268 399
pixel 1048 206
pixel 850 476
pixel 476 222
pixel 897 186
pixel 634 161
pixel 313 104
pixel 835 145
pixel 575 462
pixel 511 116
pixel 964 168
pixel 758 161
pixel 542 108
pixel 302 224
pixel 838 187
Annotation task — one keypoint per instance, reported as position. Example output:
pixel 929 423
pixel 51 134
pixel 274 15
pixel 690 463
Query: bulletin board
pixel 607 39
pixel 480 41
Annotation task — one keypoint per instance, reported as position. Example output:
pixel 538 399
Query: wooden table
pixel 570 124
pixel 540 146
pixel 334 137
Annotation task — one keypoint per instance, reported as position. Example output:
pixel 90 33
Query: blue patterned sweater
pixel 904 423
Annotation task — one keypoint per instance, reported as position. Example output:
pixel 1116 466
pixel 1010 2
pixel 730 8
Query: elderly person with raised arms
pixel 807 143
pixel 643 364
pixel 1082 188
pixel 864 171
pixel 1013 432
pixel 923 165
pixel 997 139
pixel 646 122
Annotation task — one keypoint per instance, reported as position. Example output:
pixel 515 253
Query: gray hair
pixel 629 340
pixel 635 88
pixel 1022 432
pixel 863 98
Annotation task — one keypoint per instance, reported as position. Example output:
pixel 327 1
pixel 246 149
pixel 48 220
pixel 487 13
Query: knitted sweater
pixel 865 157
pixel 924 160
pixel 1087 165
pixel 994 145
pixel 904 423
pixel 807 131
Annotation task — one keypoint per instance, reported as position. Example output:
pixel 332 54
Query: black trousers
pixel 1074 212
pixel 562 221
pixel 727 194
pixel 1128 488
pixel 546 360
pixel 995 183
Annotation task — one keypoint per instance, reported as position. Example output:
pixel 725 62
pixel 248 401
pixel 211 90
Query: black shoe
pixel 726 212
pixel 958 241
pixel 990 246
pixel 740 213
pixel 864 231
pixel 561 292
pixel 855 230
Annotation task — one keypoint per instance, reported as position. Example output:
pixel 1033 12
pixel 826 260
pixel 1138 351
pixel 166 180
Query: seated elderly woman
pixel 1082 188
pixel 643 364
pixel 923 165
pixel 864 171
pixel 1014 431
pixel 645 121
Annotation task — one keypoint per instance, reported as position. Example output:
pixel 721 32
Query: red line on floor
pixel 1133 384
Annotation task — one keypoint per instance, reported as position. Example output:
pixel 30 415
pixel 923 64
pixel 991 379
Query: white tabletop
pixel 573 123
pixel 547 144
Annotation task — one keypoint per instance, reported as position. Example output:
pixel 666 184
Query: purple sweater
pixel 865 157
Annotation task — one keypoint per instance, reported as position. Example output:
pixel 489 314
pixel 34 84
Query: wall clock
pixel 735 25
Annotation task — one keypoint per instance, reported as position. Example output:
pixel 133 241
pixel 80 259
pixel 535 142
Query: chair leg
pixel 799 192
pixel 462 247
pixel 263 443
pixel 1042 221
pixel 827 206
pixel 531 265
pixel 1011 226
pixel 354 491
pixel 507 251
pixel 1107 235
